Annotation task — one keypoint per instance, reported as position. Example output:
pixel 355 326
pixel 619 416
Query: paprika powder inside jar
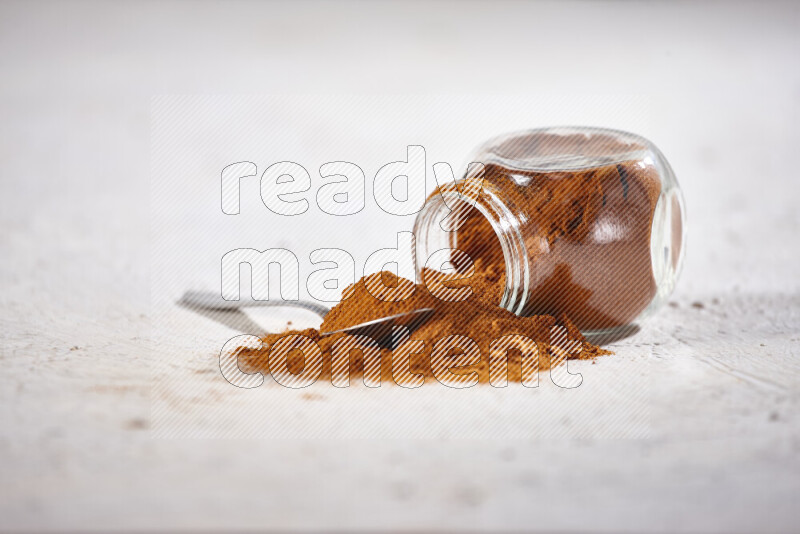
pixel 583 221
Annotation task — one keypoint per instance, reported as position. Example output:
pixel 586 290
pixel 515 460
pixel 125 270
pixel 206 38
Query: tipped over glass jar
pixel 583 221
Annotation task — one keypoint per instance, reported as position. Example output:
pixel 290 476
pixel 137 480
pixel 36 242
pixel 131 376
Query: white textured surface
pixel 724 436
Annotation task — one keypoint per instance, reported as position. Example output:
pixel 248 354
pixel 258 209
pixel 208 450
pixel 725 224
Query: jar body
pixel 582 221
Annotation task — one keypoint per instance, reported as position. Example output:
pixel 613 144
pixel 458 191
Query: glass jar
pixel 583 221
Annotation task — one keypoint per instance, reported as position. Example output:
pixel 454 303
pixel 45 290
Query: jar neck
pixel 436 228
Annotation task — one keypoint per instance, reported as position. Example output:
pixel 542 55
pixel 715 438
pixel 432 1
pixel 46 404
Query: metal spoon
pixel 212 305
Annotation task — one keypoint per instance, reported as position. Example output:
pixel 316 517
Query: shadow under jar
pixel 584 221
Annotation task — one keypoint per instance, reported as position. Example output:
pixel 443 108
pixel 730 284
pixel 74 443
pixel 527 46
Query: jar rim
pixel 506 228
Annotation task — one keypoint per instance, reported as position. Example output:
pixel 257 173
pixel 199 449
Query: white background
pixel 79 448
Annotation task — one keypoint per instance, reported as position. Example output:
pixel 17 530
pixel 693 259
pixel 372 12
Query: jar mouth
pixel 431 236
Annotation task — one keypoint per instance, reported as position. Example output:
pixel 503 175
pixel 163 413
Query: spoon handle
pixel 209 300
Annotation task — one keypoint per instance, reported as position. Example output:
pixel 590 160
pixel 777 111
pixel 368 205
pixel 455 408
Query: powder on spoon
pixel 478 318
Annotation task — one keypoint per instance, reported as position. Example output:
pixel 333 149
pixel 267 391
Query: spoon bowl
pixel 212 305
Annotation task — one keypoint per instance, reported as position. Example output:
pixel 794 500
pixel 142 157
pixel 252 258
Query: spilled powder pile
pixel 478 317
